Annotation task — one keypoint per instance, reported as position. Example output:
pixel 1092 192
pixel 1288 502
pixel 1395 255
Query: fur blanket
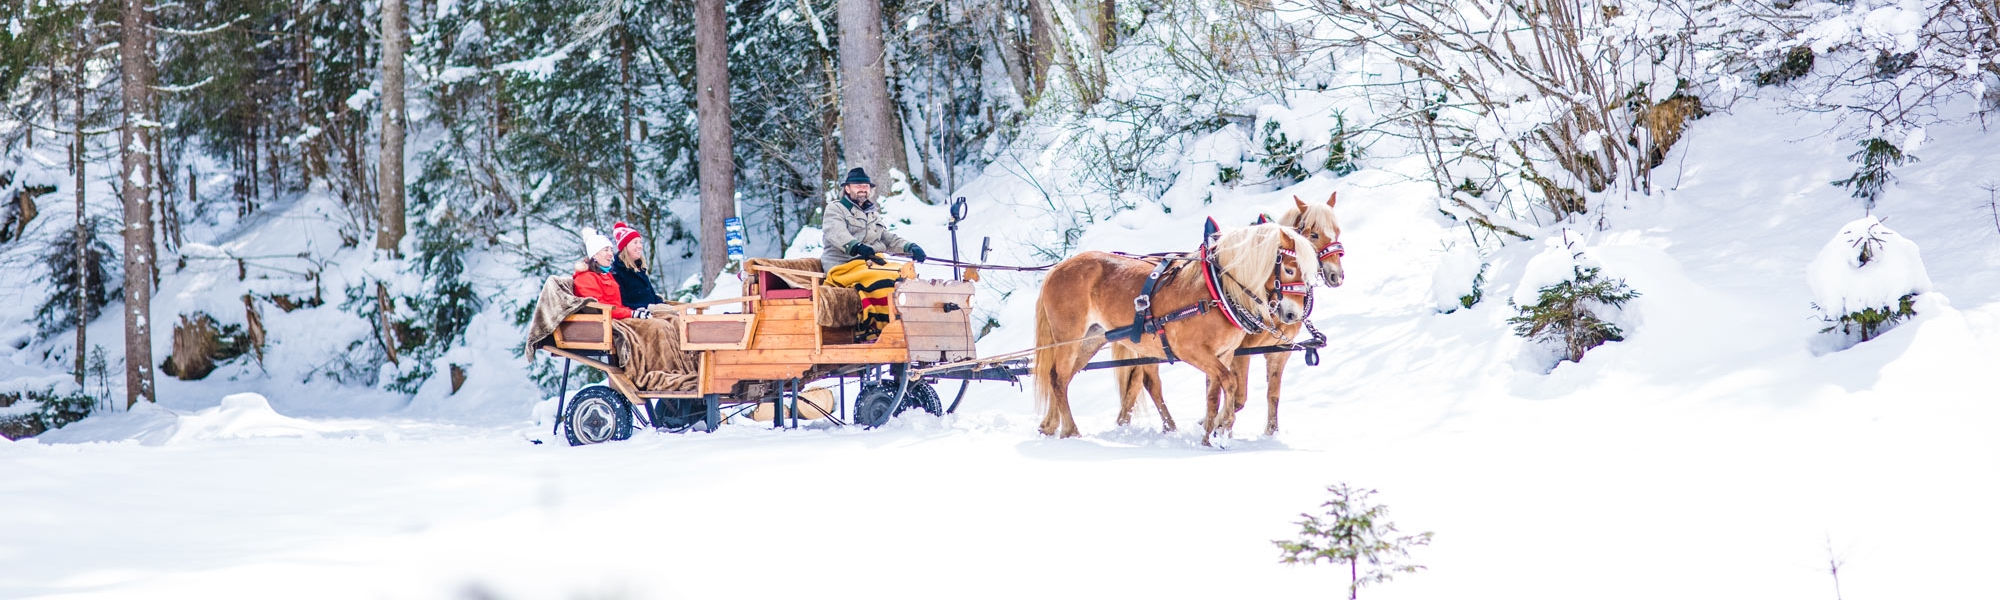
pixel 837 306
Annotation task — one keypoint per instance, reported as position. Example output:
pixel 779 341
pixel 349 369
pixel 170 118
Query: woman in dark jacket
pixel 630 268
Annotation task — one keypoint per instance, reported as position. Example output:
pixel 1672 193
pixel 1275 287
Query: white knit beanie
pixel 593 242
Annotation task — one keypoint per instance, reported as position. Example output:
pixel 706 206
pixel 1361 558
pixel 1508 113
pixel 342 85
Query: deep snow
pixel 1713 454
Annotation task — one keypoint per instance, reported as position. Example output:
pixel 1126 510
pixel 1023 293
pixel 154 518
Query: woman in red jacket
pixel 593 276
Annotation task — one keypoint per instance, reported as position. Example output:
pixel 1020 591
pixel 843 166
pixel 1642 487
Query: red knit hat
pixel 623 234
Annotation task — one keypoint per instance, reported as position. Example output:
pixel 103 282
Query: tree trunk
pixel 136 79
pixel 1041 45
pixel 868 123
pixel 1107 24
pixel 717 143
pixel 625 116
pixel 76 167
pixel 389 233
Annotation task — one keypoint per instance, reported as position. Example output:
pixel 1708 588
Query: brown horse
pixel 1318 225
pixel 1092 292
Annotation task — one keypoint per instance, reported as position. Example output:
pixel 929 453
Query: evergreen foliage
pixel 1876 156
pixel 1342 150
pixel 1566 312
pixel 1870 322
pixel 1797 63
pixel 1353 530
pixel 57 311
pixel 1282 160
pixel 1478 288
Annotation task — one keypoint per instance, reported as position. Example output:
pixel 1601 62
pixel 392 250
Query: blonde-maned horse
pixel 1318 225
pixel 1094 291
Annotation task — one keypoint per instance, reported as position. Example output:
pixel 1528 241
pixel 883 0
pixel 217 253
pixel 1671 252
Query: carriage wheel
pixel 878 401
pixel 677 415
pixel 922 396
pixel 875 404
pixel 597 414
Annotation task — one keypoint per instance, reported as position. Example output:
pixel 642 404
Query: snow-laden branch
pixel 199 32
pixel 174 89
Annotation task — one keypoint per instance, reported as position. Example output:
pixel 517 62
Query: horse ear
pixel 1329 199
pixel 1301 203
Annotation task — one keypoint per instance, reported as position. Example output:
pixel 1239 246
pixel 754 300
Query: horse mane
pixel 1246 254
pixel 1318 216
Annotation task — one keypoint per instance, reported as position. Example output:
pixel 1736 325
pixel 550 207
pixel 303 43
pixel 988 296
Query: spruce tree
pixel 1353 530
pixel 1566 312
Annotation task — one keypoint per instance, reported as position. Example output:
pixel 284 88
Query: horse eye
pixel 1313 235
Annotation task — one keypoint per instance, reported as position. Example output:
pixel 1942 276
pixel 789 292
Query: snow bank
pixel 239 416
pixel 1558 262
pixel 1865 266
pixel 1457 277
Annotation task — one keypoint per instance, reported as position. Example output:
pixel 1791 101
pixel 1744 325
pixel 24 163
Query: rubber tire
pixel 603 411
pixel 922 396
pixel 875 404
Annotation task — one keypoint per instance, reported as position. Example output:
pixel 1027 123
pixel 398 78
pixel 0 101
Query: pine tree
pixel 1566 312
pixel 1353 530
pixel 1876 156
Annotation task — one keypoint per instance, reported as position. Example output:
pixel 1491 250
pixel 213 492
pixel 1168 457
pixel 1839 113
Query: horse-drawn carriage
pixel 764 347
pixel 789 331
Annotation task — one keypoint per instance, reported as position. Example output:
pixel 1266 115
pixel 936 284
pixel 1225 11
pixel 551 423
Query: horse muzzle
pixel 1289 311
pixel 1333 276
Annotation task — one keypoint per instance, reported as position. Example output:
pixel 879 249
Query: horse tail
pixel 1047 355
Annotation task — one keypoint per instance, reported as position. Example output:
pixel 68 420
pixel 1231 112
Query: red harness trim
pixel 1215 290
pixel 1332 249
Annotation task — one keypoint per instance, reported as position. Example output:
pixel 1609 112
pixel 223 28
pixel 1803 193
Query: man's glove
pixel 916 252
pixel 641 313
pixel 864 251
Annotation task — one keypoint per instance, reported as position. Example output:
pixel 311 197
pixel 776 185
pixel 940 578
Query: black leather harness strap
pixel 1143 321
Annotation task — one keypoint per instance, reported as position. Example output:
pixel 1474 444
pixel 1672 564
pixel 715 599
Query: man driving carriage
pixel 854 235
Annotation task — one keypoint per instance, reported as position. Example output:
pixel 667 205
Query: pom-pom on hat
pixel 594 241
pixel 623 234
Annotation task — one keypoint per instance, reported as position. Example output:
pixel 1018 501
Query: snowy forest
pixel 1634 277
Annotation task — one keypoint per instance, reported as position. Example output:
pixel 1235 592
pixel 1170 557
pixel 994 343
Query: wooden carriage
pixel 763 348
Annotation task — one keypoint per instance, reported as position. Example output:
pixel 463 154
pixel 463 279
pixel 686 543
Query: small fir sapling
pixel 1866 279
pixel 1354 531
pixel 1566 312
pixel 1341 151
pixel 1877 156
pixel 57 311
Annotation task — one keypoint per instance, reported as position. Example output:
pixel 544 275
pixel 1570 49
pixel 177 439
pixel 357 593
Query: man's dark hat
pixel 856 175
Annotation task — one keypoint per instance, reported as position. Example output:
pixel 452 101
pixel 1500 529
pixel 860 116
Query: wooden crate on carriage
pixel 936 316
pixel 589 328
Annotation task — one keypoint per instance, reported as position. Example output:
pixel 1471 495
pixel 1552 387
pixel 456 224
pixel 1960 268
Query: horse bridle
pixel 1332 248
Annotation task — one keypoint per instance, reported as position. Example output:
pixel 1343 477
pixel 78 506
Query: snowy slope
pixel 1713 454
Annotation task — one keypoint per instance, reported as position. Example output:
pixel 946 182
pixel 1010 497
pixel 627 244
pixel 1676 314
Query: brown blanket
pixel 837 306
pixel 649 351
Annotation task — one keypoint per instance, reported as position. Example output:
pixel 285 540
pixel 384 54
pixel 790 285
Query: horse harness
pixel 1169 266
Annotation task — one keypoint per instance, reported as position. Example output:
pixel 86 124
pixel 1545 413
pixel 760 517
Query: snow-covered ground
pixel 1721 451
